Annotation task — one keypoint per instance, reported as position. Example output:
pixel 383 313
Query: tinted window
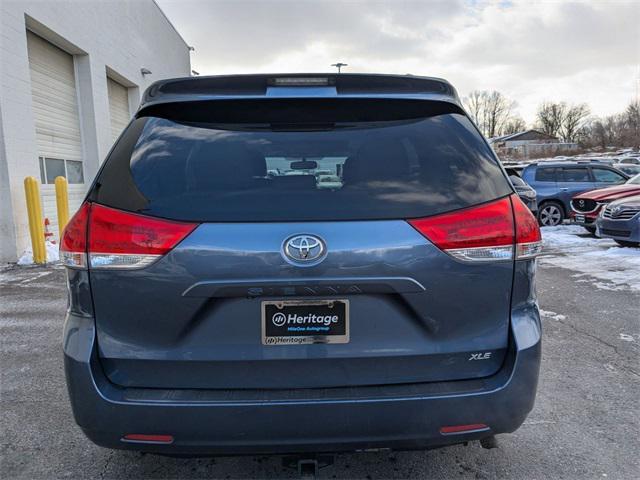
pixel 576 174
pixel 340 171
pixel 546 174
pixel 607 176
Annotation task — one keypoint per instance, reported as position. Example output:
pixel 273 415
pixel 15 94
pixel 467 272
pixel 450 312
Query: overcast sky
pixel 573 51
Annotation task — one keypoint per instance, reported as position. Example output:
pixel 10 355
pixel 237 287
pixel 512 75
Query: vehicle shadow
pixel 441 463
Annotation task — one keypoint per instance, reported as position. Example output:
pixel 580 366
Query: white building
pixel 71 75
pixel 530 144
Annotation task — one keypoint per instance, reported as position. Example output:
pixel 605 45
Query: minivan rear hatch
pixel 238 189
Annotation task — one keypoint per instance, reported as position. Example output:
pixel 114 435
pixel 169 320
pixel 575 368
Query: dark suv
pixel 225 297
pixel 556 183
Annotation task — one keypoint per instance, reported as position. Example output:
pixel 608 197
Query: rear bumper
pixel 221 422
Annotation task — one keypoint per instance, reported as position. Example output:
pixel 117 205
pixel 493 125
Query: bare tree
pixel 491 111
pixel 632 121
pixel 573 120
pixel 474 104
pixel 562 120
pixel 620 130
pixel 513 125
pixel 499 110
pixel 550 117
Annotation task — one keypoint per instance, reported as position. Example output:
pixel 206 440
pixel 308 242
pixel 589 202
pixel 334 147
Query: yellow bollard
pixel 36 229
pixel 62 204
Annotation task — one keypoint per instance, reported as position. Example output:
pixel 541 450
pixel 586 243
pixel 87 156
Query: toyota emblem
pixel 304 249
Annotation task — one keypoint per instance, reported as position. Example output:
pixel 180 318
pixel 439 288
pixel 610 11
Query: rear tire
pixel 550 214
pixel 624 243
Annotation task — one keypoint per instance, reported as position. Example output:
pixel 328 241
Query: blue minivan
pixel 556 183
pixel 224 298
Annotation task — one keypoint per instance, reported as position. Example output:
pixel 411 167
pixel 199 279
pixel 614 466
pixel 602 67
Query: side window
pixel 50 168
pixel 576 174
pixel 546 175
pixel 607 176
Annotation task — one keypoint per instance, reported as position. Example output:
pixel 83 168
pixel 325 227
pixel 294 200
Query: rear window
pixel 299 169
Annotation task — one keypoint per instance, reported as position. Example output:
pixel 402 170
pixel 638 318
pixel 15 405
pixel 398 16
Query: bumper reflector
pixel 142 438
pixel 473 427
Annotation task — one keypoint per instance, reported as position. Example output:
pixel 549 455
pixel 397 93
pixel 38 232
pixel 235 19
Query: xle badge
pixel 480 356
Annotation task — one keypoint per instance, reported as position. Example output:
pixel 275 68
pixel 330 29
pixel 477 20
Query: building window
pixel 50 168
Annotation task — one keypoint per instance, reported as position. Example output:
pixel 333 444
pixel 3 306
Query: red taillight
pixel 116 239
pixel 528 237
pixel 73 244
pixel 483 233
pixel 463 428
pixel 143 438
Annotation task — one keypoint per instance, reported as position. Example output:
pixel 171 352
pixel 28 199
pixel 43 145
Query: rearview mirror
pixel 304 165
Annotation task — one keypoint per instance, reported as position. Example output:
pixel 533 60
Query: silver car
pixel 620 220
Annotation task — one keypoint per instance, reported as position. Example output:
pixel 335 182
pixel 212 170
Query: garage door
pixel 118 107
pixel 57 123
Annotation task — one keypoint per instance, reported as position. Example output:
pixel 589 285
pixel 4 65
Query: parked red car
pixel 586 206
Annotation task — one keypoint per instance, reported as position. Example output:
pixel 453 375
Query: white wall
pixel 118 36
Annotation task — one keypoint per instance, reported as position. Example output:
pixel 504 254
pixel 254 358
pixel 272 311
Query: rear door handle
pixel 564 189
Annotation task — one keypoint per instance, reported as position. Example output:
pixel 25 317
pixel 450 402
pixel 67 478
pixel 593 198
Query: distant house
pixel 530 144
pixel 523 138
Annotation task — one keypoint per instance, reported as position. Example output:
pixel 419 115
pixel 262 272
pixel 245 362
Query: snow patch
pixel 569 246
pixel 552 315
pixel 53 255
pixel 627 338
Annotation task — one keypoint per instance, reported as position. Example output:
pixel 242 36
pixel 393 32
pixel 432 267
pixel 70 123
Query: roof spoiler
pixel 298 85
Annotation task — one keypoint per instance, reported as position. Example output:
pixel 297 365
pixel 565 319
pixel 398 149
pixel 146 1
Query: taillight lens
pixel 73 244
pixel 528 237
pixel 123 240
pixel 485 233
pixel 477 234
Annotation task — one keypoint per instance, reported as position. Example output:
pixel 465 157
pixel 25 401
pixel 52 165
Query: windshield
pixel 265 172
pixel 634 180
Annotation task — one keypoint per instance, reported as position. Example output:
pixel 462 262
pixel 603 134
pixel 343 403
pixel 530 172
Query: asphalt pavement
pixel 585 423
